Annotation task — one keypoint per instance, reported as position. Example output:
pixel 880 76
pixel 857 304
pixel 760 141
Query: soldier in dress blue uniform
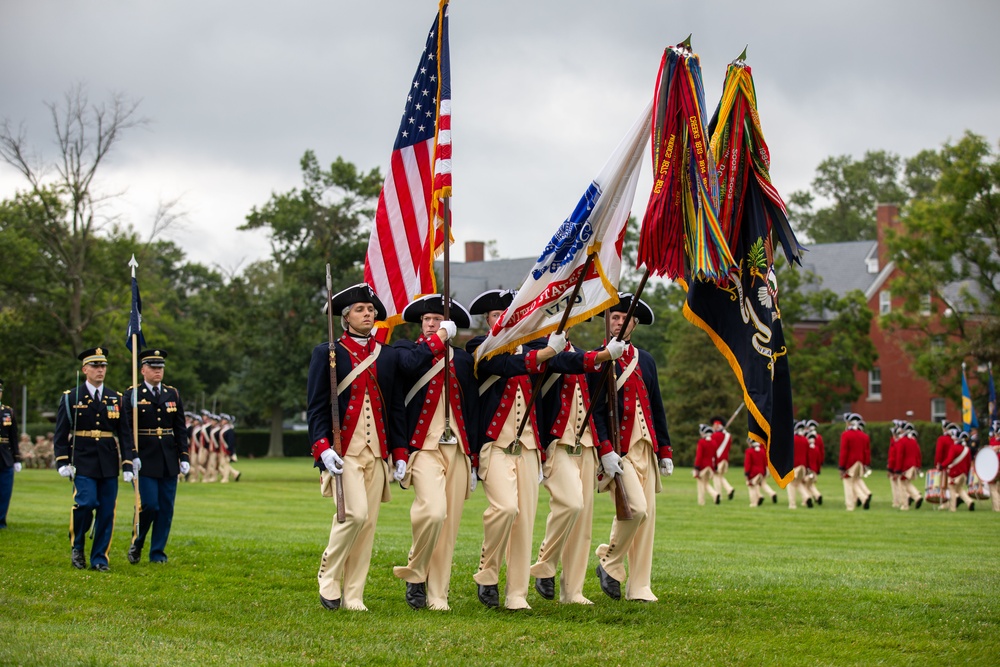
pixel 440 468
pixel 163 449
pixel 88 421
pixel 10 456
pixel 371 428
pixel 645 445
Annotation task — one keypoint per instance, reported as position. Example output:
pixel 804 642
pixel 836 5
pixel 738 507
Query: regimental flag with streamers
pixel 969 420
pixel 135 319
pixel 740 313
pixel 408 233
pixel 596 228
pixel 680 231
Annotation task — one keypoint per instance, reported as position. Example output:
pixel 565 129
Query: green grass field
pixel 761 586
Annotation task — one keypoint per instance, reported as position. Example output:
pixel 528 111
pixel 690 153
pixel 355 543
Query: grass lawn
pixel 737 585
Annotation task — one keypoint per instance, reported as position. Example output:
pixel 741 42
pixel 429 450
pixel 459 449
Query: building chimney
pixel 886 217
pixel 474 251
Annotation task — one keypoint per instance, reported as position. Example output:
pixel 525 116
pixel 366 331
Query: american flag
pixel 409 227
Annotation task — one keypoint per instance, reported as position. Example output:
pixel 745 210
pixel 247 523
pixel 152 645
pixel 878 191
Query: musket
pixel 733 416
pixel 334 397
pixel 623 512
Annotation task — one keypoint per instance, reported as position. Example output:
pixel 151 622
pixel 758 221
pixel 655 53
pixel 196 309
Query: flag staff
pixel 135 406
pixel 448 437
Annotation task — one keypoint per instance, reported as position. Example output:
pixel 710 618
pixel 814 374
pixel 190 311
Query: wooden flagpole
pixel 448 437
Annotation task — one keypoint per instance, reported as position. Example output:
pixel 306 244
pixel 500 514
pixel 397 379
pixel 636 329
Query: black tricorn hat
pixel 360 293
pixel 95 355
pixel 494 299
pixel 643 312
pixel 434 304
pixel 152 357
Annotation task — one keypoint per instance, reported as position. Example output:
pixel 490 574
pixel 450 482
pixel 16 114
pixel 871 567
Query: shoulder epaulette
pixel 67 391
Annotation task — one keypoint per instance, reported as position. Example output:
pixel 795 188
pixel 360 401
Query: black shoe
pixel 731 492
pixel 416 595
pixel 332 605
pixel 546 587
pixel 857 502
pixel 774 499
pixel 489 595
pixel 909 501
pixel 240 474
pixel 611 586
pixel 809 503
pixel 79 562
pixel 920 501
pixel 134 554
pixel 819 500
pixel 760 501
pixel 718 499
pixel 972 506
pixel 959 502
pixel 868 501
pixel 100 567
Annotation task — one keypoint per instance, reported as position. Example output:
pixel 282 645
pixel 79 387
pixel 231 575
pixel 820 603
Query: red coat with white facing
pixel 754 462
pixel 958 461
pixel 854 448
pixel 704 456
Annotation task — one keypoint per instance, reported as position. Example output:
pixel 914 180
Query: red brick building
pixel 891 390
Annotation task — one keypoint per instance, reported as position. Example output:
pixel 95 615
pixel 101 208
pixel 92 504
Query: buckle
pixel 574 450
pixel 159 430
pixel 514 448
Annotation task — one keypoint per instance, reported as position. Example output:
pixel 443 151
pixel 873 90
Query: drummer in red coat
pixel 910 462
pixel 722 440
pixel 755 470
pixel 995 484
pixel 800 453
pixel 892 466
pixel 815 456
pixel 855 456
pixel 949 434
pixel 704 465
pixel 957 465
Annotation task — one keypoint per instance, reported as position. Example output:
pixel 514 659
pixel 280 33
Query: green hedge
pixel 254 443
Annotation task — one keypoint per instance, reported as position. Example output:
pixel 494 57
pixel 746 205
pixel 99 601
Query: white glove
pixel 333 463
pixel 612 464
pixel 541 476
pixel 233 457
pixel 449 329
pixel 557 341
pixel 615 347
pixel 66 471
pixel 185 467
pixel 136 465
pixel 666 467
pixel 473 480
pixel 400 471
pixel 128 476
pixel 17 467
pixel 868 471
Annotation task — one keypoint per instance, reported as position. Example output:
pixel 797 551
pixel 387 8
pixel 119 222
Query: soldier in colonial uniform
pixel 646 452
pixel 704 465
pixel 509 465
pixel 722 440
pixel 956 465
pixel 163 449
pixel 371 429
pixel 755 470
pixel 800 454
pixel 570 462
pixel 88 421
pixel 995 484
pixel 855 456
pixel 10 456
pixel 814 460
pixel 442 453
pixel 910 462
pixel 227 449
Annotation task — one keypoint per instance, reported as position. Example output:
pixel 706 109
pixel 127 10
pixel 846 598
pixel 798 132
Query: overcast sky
pixel 542 92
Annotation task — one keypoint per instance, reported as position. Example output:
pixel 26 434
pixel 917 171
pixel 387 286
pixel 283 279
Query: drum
pixel 977 488
pixel 987 464
pixel 933 492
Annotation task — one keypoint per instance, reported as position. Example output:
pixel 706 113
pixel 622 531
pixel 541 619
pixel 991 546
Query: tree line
pixel 241 340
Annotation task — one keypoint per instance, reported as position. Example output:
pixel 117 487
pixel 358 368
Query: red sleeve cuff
pixel 319 447
pixel 435 344
pixel 604 448
pixel 666 453
pixel 531 363
pixel 400 454
pixel 475 461
pixel 590 364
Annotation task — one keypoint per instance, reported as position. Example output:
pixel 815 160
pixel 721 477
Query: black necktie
pixel 97 395
pixel 156 392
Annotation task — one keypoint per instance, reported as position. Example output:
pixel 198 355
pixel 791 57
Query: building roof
pixel 842 267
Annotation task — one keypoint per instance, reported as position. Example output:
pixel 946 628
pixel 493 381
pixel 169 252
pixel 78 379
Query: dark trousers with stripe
pixel 6 489
pixel 157 498
pixel 94 503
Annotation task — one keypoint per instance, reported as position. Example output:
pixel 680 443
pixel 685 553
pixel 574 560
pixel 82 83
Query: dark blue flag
pixel 135 319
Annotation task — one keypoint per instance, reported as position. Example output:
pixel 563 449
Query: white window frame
pixel 884 302
pixel 875 384
pixel 938 409
pixel 925 305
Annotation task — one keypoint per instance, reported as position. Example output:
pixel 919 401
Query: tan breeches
pixel 349 552
pixel 440 479
pixel 511 487
pixel 634 539
pixel 703 481
pixel 719 478
pixel 958 488
pixel 569 526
